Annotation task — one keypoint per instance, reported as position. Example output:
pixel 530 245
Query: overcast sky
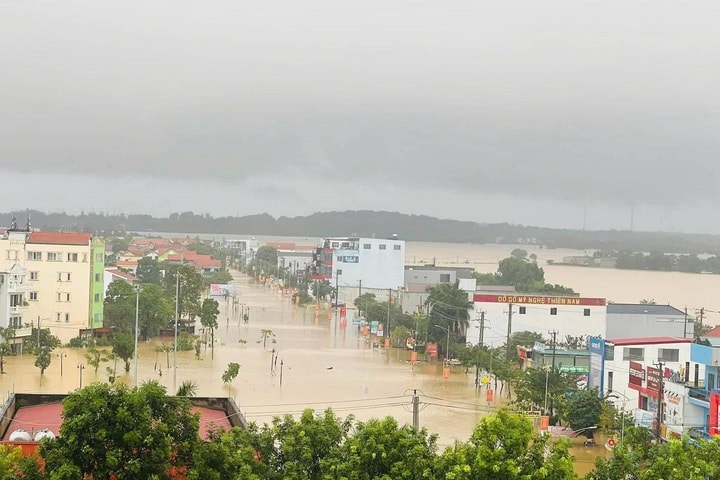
pixel 554 113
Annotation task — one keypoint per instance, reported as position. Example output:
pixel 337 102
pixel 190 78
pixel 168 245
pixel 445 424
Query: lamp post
pixel 622 413
pixel 177 320
pixel 447 344
pixel 61 355
pixel 137 315
pixel 81 367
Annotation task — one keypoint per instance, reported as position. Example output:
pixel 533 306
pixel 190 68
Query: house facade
pixel 65 278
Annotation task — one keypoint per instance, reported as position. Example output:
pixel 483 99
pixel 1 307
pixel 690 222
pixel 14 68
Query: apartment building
pixel 64 279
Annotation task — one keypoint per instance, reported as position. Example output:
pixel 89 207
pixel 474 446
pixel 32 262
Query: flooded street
pixel 321 366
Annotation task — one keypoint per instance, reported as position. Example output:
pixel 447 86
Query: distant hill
pixel 371 223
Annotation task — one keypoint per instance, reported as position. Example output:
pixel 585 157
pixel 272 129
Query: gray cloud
pixel 612 104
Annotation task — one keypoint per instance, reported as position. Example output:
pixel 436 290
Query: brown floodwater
pixel 320 365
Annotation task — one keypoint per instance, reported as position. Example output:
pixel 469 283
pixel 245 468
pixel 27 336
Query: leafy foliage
pixel 584 410
pixel 111 430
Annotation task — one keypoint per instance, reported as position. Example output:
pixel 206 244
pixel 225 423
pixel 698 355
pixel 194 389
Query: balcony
pixel 17 287
pixel 23 332
pixel 699 396
pixel 18 309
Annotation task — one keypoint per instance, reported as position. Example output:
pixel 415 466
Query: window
pixel 12 254
pixel 54 257
pixel 34 276
pixel 609 352
pixel 382 246
pixel 396 247
pixel 63 276
pixel 586 312
pixel 34 255
pixel 610 381
pixel 636 354
pixel 16 322
pixel 553 311
pixel 367 246
pixel 67 318
pixel 335 244
pixel 34 296
pixel 72 257
pixel 57 317
pixel 63 297
pixel 98 277
pixel 97 298
pixel 668 354
pixel 522 310
pixel 98 257
pixel 444 278
pixel 96 318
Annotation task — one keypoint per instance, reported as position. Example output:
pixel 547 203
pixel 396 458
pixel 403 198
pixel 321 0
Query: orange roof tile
pixel 714 333
pixel 60 238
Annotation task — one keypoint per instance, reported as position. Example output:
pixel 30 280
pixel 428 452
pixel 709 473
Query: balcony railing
pixel 18 308
pixel 17 287
pixel 23 332
pixel 699 394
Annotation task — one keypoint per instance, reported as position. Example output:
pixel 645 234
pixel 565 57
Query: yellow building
pixel 65 273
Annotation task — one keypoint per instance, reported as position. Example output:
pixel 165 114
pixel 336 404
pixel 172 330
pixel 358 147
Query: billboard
pixel 221 290
pixel 637 375
pixel 597 364
pixel 653 379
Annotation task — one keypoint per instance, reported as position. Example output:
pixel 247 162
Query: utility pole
pixel 482 329
pixel 661 392
pixel 685 326
pixel 337 292
pixel 388 311
pixel 360 295
pixel 416 411
pixel 554 346
pixel 509 330
pixel 702 316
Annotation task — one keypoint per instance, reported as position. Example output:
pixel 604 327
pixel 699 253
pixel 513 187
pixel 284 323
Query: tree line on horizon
pixel 373 223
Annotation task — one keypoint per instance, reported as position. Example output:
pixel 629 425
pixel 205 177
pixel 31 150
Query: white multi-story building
pixel 566 315
pixel 636 372
pixel 13 302
pixel 65 284
pixel 367 262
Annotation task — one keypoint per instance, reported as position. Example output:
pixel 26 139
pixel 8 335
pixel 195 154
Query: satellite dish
pixel 20 436
pixel 44 433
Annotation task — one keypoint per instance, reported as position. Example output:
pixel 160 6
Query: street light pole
pixel 177 320
pixel 447 344
pixel 81 367
pixel 137 315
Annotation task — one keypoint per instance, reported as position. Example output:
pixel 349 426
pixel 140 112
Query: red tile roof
pixel 60 238
pixel 121 274
pixel 649 340
pixel 49 416
pixel 714 333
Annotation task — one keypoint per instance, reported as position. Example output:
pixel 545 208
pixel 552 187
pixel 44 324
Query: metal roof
pixel 642 309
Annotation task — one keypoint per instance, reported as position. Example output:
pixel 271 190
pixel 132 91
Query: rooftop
pixel 648 340
pixel 642 309
pixel 59 238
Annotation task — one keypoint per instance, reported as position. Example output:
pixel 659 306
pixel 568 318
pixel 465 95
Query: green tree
pixel 519 253
pixel 208 319
pixel 47 340
pixel 119 307
pixel 364 302
pixel 266 335
pixel 230 374
pixel 237 454
pixel 449 307
pixel 43 359
pixel 123 345
pixel 504 447
pixel 380 449
pixel 192 284
pixel 584 409
pixel 624 463
pixel 148 271
pixel 95 357
pixel 188 388
pixel 155 310
pixel 6 333
pixel 532 384
pixel 111 430
pixel 683 459
pixel 266 259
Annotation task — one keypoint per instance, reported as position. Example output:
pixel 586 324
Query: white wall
pixel 375 267
pixel 569 319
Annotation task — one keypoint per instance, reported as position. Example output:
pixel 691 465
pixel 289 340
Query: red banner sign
pixel 653 379
pixel 539 300
pixel 637 374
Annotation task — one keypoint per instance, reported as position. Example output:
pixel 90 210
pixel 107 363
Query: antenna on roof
pixel 28 225
pixel 13 222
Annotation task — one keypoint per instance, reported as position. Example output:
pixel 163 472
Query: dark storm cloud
pixel 578 101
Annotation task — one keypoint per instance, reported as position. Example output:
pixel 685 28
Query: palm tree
pixel 188 388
